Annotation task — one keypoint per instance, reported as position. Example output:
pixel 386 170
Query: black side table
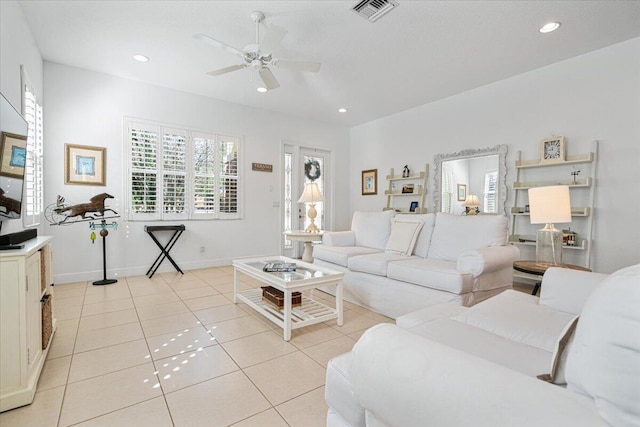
pixel 177 231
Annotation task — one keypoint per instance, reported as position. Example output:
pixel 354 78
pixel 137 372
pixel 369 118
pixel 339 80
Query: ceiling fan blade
pixel 268 78
pixel 226 70
pixel 312 67
pixel 272 39
pixel 213 42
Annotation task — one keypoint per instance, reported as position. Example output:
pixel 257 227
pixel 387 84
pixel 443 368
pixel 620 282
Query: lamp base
pixel 312 214
pixel 549 245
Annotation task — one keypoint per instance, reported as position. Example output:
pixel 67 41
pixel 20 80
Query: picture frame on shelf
pixel 553 150
pixel 462 192
pixel 370 182
pixel 413 206
pixel 13 155
pixel 407 189
pixel 84 165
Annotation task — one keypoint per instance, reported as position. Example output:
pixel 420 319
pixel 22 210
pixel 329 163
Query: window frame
pixel 33 198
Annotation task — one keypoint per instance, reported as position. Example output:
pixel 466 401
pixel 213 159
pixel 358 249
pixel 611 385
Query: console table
pixel 307 238
pixel 538 268
pixel 177 232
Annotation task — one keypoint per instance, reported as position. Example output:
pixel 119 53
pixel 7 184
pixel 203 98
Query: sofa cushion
pixel 604 360
pixel 374 263
pixel 338 392
pixel 429 314
pixel 372 228
pixel 559 359
pixel 518 317
pixel 431 273
pixel 424 238
pixel 340 254
pixel 454 234
pixel 404 235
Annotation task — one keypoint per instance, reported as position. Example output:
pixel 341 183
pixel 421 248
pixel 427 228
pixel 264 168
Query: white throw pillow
pixel 604 360
pixel 404 235
pixel 560 353
pixel 424 238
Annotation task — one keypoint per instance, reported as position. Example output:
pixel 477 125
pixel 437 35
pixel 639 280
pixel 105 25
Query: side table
pixel 538 268
pixel 307 238
pixel 164 250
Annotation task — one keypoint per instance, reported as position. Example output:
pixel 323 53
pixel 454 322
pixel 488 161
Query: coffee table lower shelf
pixel 308 313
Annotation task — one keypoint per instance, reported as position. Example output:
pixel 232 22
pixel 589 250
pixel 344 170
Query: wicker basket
pixel 275 297
pixel 47 321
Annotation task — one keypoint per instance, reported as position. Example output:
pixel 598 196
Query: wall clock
pixel 553 150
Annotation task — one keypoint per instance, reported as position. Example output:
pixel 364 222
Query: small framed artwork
pixel 553 150
pixel 462 192
pixel 407 189
pixel 13 155
pixel 370 182
pixel 413 207
pixel 84 165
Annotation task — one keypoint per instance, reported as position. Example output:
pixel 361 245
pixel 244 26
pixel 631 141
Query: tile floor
pixel 175 350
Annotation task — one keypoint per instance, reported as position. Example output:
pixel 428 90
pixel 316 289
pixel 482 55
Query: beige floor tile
pixel 106 393
pixel 148 300
pixel 54 373
pixel 221 313
pixel 352 322
pixel 226 399
pixel 69 312
pixel 378 317
pixel 106 337
pixel 286 377
pixel 97 294
pixel 68 291
pixel 62 345
pixel 109 359
pixel 356 335
pixel 269 418
pixel 152 413
pixel 188 284
pixel 144 280
pixel 177 277
pixel 142 289
pixel 312 335
pixel 105 320
pixel 233 329
pixel 180 342
pixel 257 348
pixel 324 352
pixel 186 294
pixel 207 301
pixel 194 367
pixel 308 410
pixel 106 306
pixel 167 324
pixel 67 302
pixel 43 412
pixel 161 310
pixel 67 327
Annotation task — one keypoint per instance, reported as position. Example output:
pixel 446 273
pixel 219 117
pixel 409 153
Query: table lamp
pixel 472 204
pixel 548 205
pixel 311 195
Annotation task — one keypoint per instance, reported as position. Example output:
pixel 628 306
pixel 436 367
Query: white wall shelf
pixel 419 180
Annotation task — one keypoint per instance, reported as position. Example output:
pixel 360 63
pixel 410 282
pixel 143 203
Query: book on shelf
pixel 272 267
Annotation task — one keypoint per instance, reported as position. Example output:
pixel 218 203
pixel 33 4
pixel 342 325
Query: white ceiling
pixel 420 52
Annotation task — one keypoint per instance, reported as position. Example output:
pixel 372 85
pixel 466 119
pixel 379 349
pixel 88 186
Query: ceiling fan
pixel 259 55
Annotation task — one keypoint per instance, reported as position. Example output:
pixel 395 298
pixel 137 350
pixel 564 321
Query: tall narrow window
pixel 181 174
pixel 288 198
pixel 33 184
pixel 319 221
pixel 447 190
pixel 490 190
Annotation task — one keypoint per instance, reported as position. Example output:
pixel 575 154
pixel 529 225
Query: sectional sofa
pixel 396 264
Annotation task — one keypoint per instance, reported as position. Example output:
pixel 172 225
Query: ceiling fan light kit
pixel 259 55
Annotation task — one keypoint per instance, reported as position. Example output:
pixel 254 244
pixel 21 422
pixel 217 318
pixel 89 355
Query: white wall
pixel 84 107
pixel 595 96
pixel 17 47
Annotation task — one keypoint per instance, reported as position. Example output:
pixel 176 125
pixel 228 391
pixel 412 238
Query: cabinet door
pixel 34 310
pixel 12 324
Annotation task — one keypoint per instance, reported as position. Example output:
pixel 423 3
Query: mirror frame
pixel 500 150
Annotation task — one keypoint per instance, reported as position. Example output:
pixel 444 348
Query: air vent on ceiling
pixel 374 9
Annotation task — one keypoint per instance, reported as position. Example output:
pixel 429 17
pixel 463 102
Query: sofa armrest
pixel 567 290
pixel 403 379
pixel 339 238
pixel 485 260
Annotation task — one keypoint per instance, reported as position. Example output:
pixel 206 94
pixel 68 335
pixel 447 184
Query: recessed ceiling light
pixel 342 110
pixel 261 89
pixel 141 58
pixel 551 26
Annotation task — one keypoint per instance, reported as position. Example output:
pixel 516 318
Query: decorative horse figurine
pixel 10 205
pixel 95 205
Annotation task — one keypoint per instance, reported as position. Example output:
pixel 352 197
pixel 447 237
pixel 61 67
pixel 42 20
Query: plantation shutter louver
pixel 490 183
pixel 174 157
pixel 204 180
pixel 144 170
pixel 228 159
pixel 32 206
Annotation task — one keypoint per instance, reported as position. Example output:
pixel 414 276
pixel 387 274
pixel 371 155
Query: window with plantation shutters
pixel 181 173
pixel 32 206
pixel 490 196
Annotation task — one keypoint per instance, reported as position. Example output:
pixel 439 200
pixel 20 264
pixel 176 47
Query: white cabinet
pixel 25 286
pixel 579 173
pixel 399 198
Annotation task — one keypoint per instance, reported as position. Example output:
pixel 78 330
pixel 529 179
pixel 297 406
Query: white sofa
pixel 396 264
pixel 455 366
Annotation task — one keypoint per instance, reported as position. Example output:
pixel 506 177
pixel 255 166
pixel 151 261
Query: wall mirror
pixel 479 172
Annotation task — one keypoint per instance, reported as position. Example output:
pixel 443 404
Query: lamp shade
pixel 550 204
pixel 472 201
pixel 311 194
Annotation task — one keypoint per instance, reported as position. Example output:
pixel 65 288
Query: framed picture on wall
pixel 13 155
pixel 370 182
pixel 462 192
pixel 84 165
pixel 413 207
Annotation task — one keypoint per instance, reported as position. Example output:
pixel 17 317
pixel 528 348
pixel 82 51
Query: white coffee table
pixel 306 276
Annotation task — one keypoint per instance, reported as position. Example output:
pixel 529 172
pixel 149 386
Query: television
pixel 13 158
